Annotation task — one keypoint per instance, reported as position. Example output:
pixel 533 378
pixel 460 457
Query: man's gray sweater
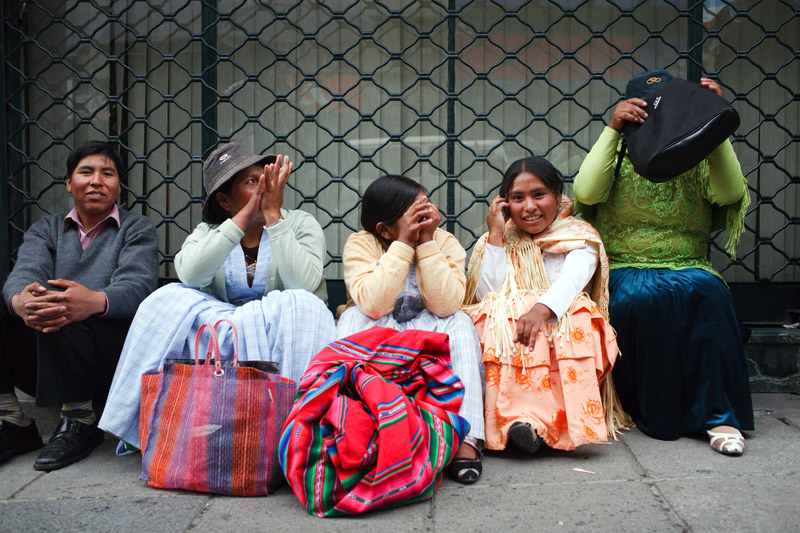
pixel 122 262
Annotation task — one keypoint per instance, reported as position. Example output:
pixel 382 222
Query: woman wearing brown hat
pixel 682 368
pixel 253 262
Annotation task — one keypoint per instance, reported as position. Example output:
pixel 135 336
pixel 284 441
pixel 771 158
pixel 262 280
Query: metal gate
pixel 446 92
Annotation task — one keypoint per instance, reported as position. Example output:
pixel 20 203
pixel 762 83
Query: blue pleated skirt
pixel 682 368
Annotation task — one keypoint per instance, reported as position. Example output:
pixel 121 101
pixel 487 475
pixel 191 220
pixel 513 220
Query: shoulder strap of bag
pixel 620 158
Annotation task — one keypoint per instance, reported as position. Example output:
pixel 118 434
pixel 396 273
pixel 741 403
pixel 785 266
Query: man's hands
pixel 531 323
pixel 48 311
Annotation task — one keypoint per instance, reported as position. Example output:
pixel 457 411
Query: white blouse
pixel 568 273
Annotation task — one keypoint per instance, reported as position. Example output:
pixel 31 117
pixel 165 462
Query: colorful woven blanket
pixel 374 423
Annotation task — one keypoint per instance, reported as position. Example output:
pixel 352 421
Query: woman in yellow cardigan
pixel 404 272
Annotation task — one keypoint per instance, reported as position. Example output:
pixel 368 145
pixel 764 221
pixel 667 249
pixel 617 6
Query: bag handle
pixel 235 339
pixel 213 350
pixel 620 158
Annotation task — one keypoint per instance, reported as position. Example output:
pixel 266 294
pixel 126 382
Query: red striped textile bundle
pixel 212 428
pixel 375 422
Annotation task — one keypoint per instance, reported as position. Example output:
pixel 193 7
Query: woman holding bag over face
pixel 253 262
pixel 404 272
pixel 683 369
pixel 547 345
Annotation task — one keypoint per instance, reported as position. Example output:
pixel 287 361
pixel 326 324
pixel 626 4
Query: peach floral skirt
pixel 554 387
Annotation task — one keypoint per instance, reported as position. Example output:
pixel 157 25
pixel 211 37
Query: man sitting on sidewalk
pixel 74 289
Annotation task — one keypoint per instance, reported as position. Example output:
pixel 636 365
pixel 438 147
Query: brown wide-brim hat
pixel 221 166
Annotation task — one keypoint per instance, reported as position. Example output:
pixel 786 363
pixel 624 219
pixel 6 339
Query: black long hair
pixel 539 167
pixel 107 149
pixel 385 200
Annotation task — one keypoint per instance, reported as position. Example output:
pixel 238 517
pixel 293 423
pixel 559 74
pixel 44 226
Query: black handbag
pixel 685 123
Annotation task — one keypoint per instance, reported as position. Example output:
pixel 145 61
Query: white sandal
pixel 726 443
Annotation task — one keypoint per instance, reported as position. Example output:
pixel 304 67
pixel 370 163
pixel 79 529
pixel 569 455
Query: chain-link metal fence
pixel 446 92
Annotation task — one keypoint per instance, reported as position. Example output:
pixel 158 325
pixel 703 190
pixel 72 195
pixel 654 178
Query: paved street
pixel 635 484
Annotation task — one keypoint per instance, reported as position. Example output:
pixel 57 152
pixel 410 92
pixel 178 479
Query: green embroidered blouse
pixel 661 225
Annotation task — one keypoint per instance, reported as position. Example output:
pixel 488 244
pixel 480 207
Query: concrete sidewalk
pixel 636 484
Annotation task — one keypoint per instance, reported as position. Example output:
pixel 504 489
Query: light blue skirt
pixel 289 327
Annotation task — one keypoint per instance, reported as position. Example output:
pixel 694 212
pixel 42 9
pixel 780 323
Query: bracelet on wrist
pixel 280 219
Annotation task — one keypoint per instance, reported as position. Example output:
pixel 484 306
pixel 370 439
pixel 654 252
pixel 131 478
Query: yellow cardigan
pixel 375 279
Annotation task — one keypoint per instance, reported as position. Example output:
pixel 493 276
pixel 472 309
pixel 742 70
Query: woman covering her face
pixel 537 290
pixel 253 262
pixel 404 272
pixel 683 369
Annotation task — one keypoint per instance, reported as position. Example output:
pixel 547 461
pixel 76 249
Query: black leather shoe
pixel 466 471
pixel 71 442
pixel 524 437
pixel 16 440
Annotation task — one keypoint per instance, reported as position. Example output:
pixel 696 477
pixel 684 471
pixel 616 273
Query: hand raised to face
pixel 496 220
pixel 276 176
pixel 630 110
pixel 429 213
pixel 419 221
pixel 243 201
pixel 711 85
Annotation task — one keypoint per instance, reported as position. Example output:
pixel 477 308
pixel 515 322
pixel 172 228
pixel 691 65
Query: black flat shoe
pixel 524 437
pixel 463 470
pixel 466 470
pixel 16 440
pixel 71 442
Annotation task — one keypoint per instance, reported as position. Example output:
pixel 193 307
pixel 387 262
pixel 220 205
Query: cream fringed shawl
pixel 526 272
pixel 524 257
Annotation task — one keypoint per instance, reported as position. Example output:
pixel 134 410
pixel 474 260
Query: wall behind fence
pixel 448 93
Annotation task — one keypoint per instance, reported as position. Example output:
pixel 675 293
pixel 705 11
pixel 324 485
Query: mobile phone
pixel 506 210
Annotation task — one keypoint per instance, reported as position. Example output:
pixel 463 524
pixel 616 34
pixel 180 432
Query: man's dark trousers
pixel 73 364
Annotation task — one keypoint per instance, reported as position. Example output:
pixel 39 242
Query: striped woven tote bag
pixel 213 428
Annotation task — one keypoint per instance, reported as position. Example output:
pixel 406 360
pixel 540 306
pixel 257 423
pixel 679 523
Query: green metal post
pixel 4 234
pixel 694 37
pixel 208 59
pixel 451 114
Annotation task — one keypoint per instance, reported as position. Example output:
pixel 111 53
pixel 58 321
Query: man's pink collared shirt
pixel 87 237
